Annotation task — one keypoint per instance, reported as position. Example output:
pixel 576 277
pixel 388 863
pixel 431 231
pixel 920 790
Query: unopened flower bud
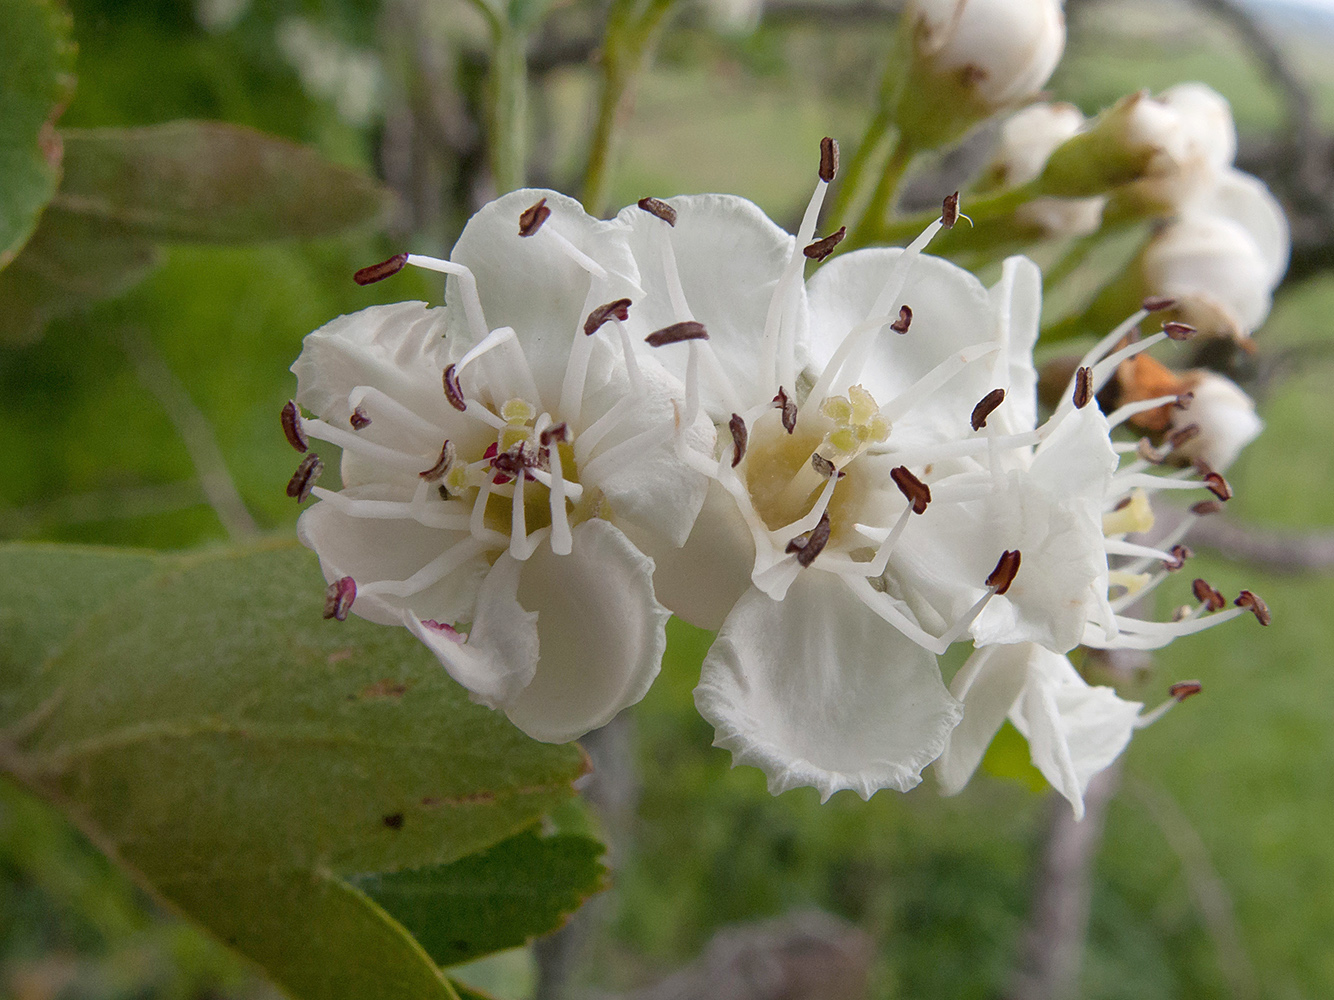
pixel 1225 415
pixel 1027 141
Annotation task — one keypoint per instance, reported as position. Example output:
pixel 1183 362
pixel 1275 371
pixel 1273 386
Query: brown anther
pixel 359 420
pixel 1179 556
pixel 824 467
pixel 986 407
pixel 1206 595
pixel 1217 485
pixel 904 321
pixel 453 391
pixel 305 477
pixel 514 461
pixel 1007 568
pixel 821 249
pixel 1149 453
pixel 444 492
pixel 917 492
pixel 556 432
pixel 1123 503
pixel 620 309
pixel 384 269
pixel 530 221
pixel 739 436
pixel 658 207
pixel 789 408
pixel 1246 599
pixel 1179 331
pixel 1206 507
pixel 810 544
pixel 1179 437
pixel 677 332
pixel 1083 387
pixel 296 437
pixel 1184 399
pixel 828 159
pixel 1182 690
pixel 442 465
pixel 1157 303
pixel 338 598
pixel 949 211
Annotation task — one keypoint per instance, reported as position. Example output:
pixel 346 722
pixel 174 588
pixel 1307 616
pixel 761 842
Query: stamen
pixel 359 420
pixel 338 598
pixel 1083 394
pixel 1180 554
pixel 1182 690
pixel 949 211
pixel 434 571
pixel 789 408
pixel 828 159
pixel 1214 482
pixel 556 432
pixel 531 219
pixel 398 460
pixel 825 468
pixel 986 407
pixel 1116 547
pixel 1206 595
pixel 929 383
pixel 1148 453
pixel 1179 331
pixel 442 465
pixel 810 544
pixel 739 437
pixel 292 427
pixel 378 272
pixel 1123 413
pixel 676 333
pixel 453 391
pixel 620 309
pixel 1188 433
pixel 917 492
pixel 303 480
pixel 562 542
pixel 904 321
pixel 1158 303
pixel 386 405
pixel 821 249
pixel 394 510
pixel 1251 602
pixel 448 631
pixel 658 207
pixel 472 302
pixel 1206 507
pixel 1007 568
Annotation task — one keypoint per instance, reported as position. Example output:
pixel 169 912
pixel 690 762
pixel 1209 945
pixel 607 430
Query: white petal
pixel 1017 301
pixel 818 691
pixel 602 634
pixel 987 684
pixel 1248 201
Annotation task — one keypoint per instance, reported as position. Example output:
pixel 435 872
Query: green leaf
pixel 467 992
pixel 244 758
pixel 212 182
pixel 36 82
pixel 494 900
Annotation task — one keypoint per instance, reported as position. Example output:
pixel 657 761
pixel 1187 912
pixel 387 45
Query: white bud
pixel 1026 142
pixel 1225 415
pixel 1189 140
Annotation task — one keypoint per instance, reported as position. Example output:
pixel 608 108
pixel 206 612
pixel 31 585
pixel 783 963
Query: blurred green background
pixel 1217 874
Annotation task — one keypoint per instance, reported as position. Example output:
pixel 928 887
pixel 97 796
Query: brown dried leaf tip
pixel 305 477
pixel 917 492
pixel 784 402
pixel 296 437
pixel 659 208
pixel 949 210
pixel 677 332
pixel 739 437
pixel 986 407
pixel 828 159
pixel 1182 690
pixel 810 544
pixel 904 321
pixel 442 464
pixel 359 420
pixel 620 309
pixel 1247 599
pixel 384 269
pixel 532 217
pixel 1083 387
pixel 821 249
pixel 1206 595
pixel 453 391
pixel 1007 568
pixel 338 598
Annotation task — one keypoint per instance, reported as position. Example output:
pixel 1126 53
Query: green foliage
pixel 202 725
pixel 36 81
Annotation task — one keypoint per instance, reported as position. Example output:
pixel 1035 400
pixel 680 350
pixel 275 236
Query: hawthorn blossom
pixel 1027 140
pixel 492 451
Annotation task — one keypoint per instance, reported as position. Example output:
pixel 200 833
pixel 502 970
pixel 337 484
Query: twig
pixel 1272 549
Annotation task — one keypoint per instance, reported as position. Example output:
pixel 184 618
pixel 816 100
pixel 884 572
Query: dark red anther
pixel 384 269
pixel 305 477
pixel 811 543
pixel 917 492
pixel 442 464
pixel 359 420
pixel 828 159
pixel 821 249
pixel 1179 331
pixel 453 391
pixel 986 407
pixel 1179 556
pixel 789 408
pixel 532 217
pixel 1182 690
pixel 739 437
pixel 904 321
pixel 338 598
pixel 1158 303
pixel 1083 387
pixel 620 309
pixel 296 437
pixel 949 211
pixel 1007 568
pixel 1206 595
pixel 556 432
pixel 1214 482
pixel 1250 601
pixel 1206 507
pixel 1179 437
pixel 677 332
pixel 658 207
pixel 519 458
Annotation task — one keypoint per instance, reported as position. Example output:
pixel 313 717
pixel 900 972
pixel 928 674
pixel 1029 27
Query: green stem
pixel 509 107
pixel 850 176
pixel 983 209
pixel 873 218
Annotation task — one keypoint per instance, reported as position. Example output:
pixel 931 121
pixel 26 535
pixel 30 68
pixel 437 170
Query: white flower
pixel 1187 138
pixel 491 452
pixel 1027 140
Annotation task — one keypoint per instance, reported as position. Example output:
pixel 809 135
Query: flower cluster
pixel 844 476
